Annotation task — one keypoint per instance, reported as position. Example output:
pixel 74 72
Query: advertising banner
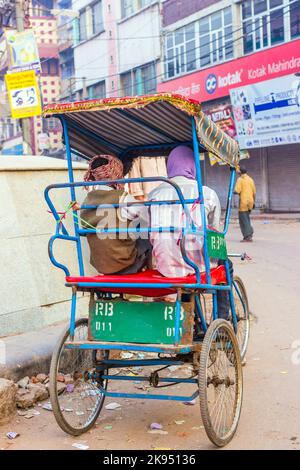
pixel 22 51
pixel 223 117
pixel 23 94
pixel 216 82
pixel 267 113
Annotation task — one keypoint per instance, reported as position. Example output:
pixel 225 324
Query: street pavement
pixel 270 416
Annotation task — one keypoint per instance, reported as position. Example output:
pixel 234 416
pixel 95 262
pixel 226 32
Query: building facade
pixel 45 134
pixel 213 47
pixel 44 24
pixel 117 47
pixel 65 19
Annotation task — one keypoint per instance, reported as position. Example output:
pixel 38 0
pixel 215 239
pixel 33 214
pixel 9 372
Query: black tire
pixel 242 313
pixel 220 349
pixel 85 384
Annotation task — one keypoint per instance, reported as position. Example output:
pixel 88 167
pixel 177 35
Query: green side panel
pixel 137 322
pixel 216 245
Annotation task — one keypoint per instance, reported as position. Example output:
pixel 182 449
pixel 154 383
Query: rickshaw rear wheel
pixel 220 382
pixel 77 405
pixel 241 305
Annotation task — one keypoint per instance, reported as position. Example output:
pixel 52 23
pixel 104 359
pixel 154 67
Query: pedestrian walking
pixel 245 188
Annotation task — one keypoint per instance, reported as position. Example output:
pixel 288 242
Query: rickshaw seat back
pixel 218 276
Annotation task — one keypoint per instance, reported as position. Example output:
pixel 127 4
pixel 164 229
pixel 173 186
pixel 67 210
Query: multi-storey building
pixel 212 47
pixel 44 24
pixel 117 47
pixel 65 32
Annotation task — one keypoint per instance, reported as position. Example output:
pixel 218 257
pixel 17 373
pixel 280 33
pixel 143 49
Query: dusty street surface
pixel 271 409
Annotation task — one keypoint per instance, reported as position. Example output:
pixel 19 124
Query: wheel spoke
pixel 77 408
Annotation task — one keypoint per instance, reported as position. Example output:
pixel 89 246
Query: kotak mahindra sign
pixel 216 82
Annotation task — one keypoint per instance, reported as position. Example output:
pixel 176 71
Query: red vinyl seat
pixel 218 276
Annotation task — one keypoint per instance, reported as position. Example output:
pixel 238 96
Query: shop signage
pixel 23 94
pixel 223 116
pixel 216 82
pixel 267 113
pixel 22 51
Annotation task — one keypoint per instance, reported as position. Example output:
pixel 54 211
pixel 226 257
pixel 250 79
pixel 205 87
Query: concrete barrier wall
pixel 32 291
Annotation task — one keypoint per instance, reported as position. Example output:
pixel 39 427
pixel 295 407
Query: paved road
pixel 271 408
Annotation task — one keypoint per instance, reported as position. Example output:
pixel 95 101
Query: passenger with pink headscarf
pixel 167 253
pixel 166 246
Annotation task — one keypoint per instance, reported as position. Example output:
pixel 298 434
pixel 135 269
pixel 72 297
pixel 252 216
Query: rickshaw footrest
pixel 159 348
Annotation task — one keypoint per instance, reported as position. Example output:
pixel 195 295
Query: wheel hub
pixel 216 381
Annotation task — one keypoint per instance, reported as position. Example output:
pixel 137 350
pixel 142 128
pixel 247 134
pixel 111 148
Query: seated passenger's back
pixel 166 246
pixel 111 253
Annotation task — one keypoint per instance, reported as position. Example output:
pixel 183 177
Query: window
pixel 199 44
pixel 181 51
pixel 131 6
pixel 295 19
pixel 96 91
pixel 216 37
pixel 127 8
pixel 139 81
pixel 97 19
pixel 50 67
pixel 126 82
pixel 52 124
pixel 263 23
pixel 144 3
pixel 82 26
pixel 148 79
pixel 90 22
pixel 67 69
pixel 41 8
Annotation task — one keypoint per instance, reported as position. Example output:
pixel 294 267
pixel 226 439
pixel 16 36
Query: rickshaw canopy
pixel 148 125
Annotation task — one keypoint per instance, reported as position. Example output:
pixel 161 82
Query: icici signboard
pixel 215 82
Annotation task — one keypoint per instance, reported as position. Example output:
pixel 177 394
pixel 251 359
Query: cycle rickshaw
pixel 160 334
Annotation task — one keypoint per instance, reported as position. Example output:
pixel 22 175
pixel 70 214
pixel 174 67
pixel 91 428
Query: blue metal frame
pixel 73 194
pixel 149 396
pixel 189 228
pixel 62 234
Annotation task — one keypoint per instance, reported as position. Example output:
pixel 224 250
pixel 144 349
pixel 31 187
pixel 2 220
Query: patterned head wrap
pixel 113 170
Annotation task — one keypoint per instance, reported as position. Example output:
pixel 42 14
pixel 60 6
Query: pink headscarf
pixel 113 170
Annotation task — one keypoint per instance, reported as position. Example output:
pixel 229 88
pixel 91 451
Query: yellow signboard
pixel 213 159
pixel 23 93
